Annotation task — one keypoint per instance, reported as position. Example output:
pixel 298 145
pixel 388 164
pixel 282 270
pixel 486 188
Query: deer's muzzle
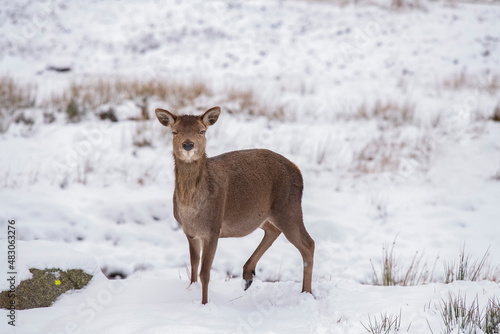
pixel 188 145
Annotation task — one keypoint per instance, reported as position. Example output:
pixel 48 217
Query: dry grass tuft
pixel 396 114
pixel 392 273
pixel 388 323
pixel 245 98
pixel 461 317
pixel 245 101
pixel 14 96
pixel 89 94
pixel 469 269
pixel 377 156
pixel 486 83
pixel 492 84
pixel 456 81
pixel 388 153
pixel 392 112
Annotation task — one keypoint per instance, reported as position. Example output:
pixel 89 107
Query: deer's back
pixel 255 183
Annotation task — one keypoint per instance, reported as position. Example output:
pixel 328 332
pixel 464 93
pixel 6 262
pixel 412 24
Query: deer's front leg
pixel 194 254
pixel 209 248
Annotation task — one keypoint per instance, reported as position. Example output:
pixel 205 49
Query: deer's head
pixel 189 132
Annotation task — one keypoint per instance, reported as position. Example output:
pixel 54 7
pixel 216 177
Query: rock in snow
pixel 42 272
pixel 43 289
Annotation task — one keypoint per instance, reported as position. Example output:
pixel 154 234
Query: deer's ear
pixel 165 117
pixel 210 116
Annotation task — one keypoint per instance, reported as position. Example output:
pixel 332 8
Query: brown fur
pixel 231 195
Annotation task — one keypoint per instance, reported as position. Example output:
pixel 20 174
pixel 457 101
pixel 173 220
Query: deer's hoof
pixel 247 283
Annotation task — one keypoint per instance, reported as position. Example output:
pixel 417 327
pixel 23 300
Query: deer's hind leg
pixel 290 222
pixel 271 233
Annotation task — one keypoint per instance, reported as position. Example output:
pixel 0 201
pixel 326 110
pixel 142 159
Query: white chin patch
pixel 188 155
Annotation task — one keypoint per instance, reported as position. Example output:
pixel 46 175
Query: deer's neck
pixel 191 178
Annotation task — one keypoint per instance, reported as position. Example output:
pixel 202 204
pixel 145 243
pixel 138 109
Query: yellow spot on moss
pixel 58 282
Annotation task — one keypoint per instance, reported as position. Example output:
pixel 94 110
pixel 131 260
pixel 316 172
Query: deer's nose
pixel 188 145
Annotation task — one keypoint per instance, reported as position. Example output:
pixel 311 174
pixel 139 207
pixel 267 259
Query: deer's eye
pixel 174 132
pixel 202 132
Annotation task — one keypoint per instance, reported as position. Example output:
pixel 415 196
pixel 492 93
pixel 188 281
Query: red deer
pixel 231 195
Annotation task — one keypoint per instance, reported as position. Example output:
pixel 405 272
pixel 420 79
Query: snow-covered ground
pixel 343 76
